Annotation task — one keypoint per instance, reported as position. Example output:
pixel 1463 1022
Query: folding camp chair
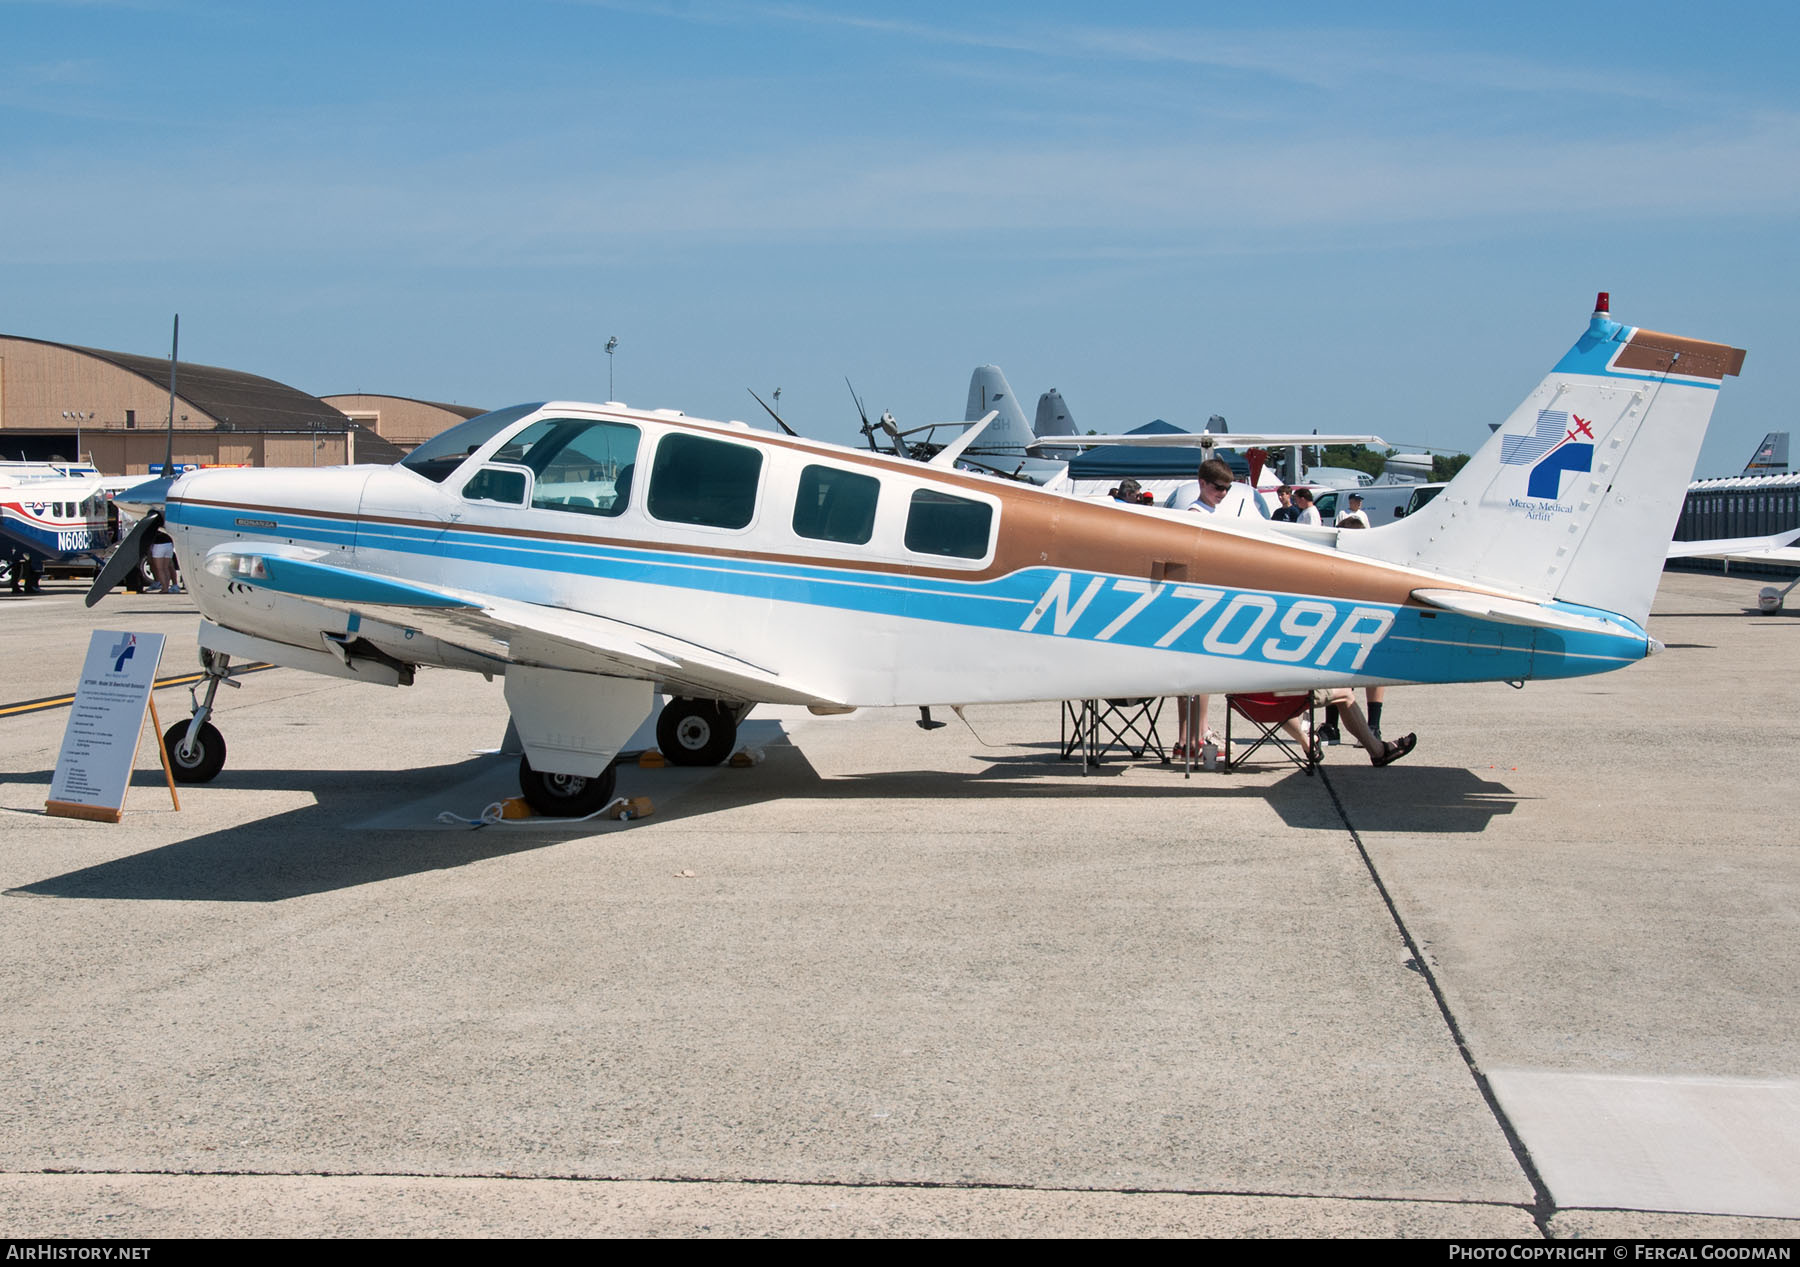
pixel 1264 715
pixel 1101 726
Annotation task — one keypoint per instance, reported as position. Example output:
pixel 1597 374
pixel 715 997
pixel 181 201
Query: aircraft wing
pixel 509 629
pixel 1202 440
pixel 1770 549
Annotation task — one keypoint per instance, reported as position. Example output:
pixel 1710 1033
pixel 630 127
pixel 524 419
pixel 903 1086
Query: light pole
pixel 78 416
pixel 612 345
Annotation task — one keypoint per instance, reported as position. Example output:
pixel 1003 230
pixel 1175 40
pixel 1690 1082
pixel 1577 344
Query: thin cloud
pixel 1316 57
pixel 487 211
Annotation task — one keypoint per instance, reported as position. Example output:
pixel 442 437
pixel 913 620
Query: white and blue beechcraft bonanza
pixel 594 554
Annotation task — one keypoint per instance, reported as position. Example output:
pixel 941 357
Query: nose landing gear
pixel 196 748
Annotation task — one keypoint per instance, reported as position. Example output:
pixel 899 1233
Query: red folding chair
pixel 1265 715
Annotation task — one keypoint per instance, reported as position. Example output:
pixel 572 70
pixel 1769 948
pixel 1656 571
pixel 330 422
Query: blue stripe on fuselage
pixel 1328 637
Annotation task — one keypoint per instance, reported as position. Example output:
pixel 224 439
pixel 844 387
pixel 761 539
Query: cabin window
pixel 505 484
pixel 836 505
pixel 699 480
pixel 583 468
pixel 957 527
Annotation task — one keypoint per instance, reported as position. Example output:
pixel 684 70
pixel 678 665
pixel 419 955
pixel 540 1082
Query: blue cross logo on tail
pixel 1550 450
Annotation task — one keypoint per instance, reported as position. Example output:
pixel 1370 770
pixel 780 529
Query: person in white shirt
pixel 1355 516
pixel 1309 513
pixel 1215 483
pixel 1190 710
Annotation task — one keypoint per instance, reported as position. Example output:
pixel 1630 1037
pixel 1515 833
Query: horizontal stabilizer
pixel 1513 611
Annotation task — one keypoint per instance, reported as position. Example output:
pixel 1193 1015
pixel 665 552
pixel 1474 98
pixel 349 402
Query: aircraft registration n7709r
pixel 593 555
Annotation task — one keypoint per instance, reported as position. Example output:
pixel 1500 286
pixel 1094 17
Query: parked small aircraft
pixel 1777 547
pixel 593 553
pixel 49 516
pixel 1769 458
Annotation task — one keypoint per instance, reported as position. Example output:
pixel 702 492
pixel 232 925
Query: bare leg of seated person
pixel 1380 752
pixel 1191 728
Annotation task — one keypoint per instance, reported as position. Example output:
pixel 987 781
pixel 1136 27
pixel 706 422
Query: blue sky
pixel 1373 217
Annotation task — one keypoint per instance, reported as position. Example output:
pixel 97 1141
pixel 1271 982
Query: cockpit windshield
pixel 447 450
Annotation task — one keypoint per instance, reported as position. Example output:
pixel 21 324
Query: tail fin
pixel 1770 457
pixel 1053 420
pixel 1053 416
pixel 1008 433
pixel 1575 497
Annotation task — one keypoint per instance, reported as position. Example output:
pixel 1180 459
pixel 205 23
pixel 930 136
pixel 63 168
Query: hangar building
pixel 400 420
pixel 115 406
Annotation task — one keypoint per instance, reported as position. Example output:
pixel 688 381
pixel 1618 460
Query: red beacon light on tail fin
pixel 1603 302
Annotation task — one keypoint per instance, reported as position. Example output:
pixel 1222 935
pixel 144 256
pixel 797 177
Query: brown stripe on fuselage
pixel 1059 532
pixel 1658 353
pixel 1039 529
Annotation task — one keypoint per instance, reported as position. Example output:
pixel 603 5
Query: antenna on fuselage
pixel 777 417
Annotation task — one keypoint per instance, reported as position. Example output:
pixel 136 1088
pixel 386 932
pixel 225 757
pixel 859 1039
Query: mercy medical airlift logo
pixel 1550 450
pixel 126 648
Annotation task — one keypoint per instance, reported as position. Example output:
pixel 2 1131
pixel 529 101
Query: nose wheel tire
pixel 203 763
pixel 566 795
pixel 695 731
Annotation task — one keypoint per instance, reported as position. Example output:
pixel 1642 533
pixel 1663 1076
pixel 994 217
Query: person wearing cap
pixel 1354 517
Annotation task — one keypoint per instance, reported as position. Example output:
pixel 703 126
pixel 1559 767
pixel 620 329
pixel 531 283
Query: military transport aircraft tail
pixel 1008 433
pixel 1771 456
pixel 1575 497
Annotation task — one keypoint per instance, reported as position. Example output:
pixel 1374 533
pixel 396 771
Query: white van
pixel 1382 503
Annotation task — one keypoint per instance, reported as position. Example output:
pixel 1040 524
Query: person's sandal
pixel 1392 752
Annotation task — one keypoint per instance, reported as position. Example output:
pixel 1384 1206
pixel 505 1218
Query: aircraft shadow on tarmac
pixel 1415 798
pixel 314 849
pixel 350 835
pixel 1440 800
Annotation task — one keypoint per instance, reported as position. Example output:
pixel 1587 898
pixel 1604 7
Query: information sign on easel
pixel 100 745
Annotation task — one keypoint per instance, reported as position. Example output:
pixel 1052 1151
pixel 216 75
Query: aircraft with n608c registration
pixel 595 554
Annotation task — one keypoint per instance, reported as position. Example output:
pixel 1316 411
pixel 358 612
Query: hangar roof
pixel 248 402
pixel 461 411
pixel 244 402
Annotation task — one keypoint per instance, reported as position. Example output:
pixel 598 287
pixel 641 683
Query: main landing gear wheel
pixel 566 795
pixel 695 731
pixel 201 763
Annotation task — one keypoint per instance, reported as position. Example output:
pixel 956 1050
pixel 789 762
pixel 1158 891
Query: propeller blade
pixel 129 555
pixel 859 405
